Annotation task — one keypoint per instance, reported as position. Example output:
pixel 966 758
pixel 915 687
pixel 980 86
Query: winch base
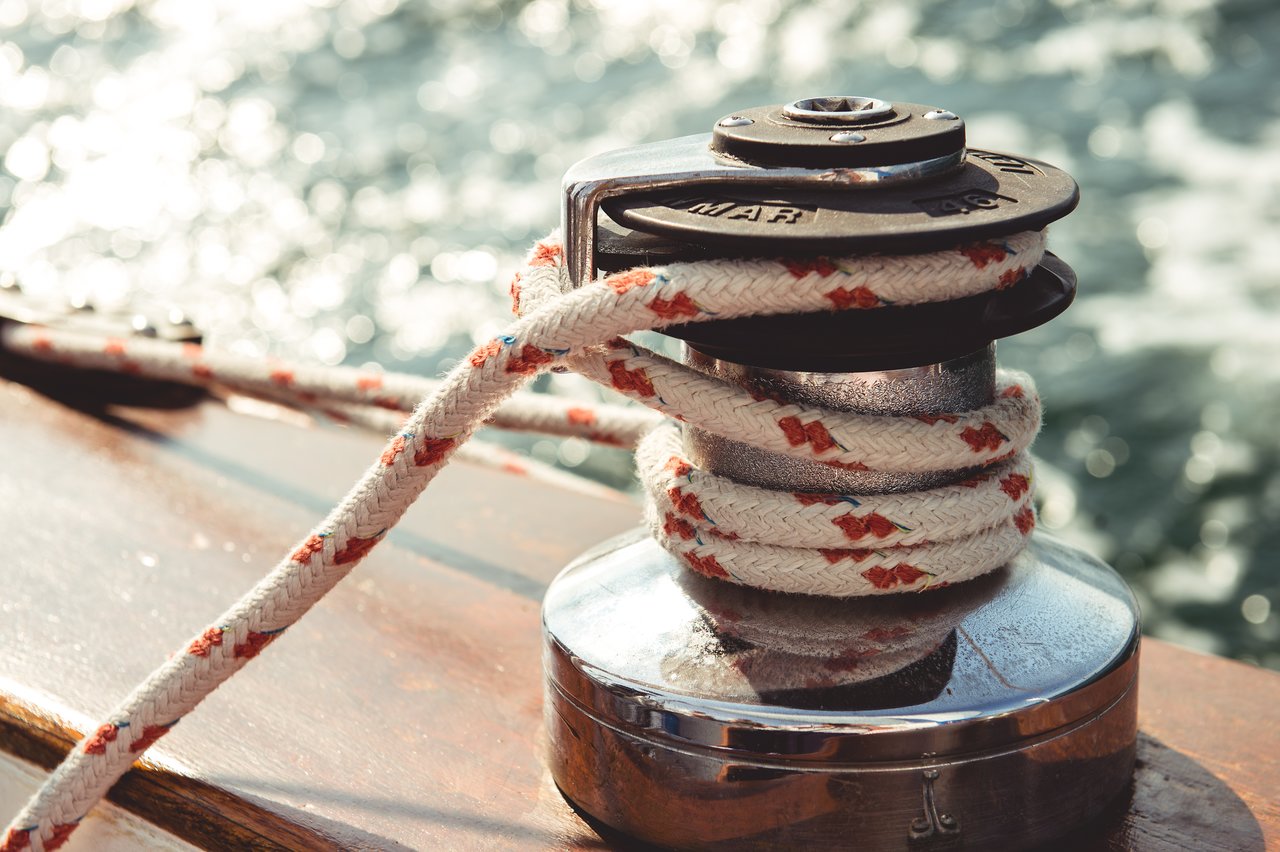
pixel 690 713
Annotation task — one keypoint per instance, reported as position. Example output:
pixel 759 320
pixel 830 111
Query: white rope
pixel 580 328
pixel 828 544
pixel 314 385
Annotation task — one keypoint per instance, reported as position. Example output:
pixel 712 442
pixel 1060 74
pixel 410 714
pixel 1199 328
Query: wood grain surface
pixel 405 710
pixel 108 828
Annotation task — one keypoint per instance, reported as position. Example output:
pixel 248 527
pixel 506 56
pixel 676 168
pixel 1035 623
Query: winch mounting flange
pixel 988 195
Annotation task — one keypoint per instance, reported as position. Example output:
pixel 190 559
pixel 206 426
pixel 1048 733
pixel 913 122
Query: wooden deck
pixel 405 710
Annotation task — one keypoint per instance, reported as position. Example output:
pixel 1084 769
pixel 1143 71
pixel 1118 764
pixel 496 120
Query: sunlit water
pixel 354 182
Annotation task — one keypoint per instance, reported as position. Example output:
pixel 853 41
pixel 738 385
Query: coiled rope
pixel 847 545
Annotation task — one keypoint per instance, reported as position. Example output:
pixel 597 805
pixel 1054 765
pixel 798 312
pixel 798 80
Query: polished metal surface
pixel 839 109
pixel 961 384
pixel 688 161
pixel 695 714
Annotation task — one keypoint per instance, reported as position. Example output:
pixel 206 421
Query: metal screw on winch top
pixel 692 713
pixel 847 136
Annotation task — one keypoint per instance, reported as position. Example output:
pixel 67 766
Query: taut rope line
pixel 730 535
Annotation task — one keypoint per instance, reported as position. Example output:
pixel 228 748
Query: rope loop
pixel 837 545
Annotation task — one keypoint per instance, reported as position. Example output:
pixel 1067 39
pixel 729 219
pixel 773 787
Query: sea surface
pixel 355 182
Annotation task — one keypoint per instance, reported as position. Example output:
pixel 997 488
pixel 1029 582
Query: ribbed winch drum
pixel 687 712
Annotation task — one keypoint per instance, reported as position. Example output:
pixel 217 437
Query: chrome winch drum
pixel 686 712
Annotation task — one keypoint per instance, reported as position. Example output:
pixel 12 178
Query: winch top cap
pixel 838 109
pixel 839 131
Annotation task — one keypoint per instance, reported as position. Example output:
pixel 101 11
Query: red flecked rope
pixel 580 329
pixel 336 389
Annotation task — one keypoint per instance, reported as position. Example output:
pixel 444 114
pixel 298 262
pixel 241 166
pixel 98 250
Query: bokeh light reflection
pixel 354 180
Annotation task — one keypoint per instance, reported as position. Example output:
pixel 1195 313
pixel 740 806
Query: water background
pixel 354 182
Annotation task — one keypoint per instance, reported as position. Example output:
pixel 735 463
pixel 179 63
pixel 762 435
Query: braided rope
pixel 812 643
pixel 833 544
pixel 310 385
pixel 580 328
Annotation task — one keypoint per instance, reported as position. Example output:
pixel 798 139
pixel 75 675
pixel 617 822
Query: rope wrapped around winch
pixel 832 544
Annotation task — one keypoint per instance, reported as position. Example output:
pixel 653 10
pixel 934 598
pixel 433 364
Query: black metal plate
pixel 904 136
pixel 991 194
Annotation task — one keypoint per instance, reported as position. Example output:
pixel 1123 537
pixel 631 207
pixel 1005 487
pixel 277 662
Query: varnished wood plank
pixel 107 829
pixel 402 710
pixel 406 710
pixel 1209 759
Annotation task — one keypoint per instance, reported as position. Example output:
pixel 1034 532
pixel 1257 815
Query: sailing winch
pixel 691 712
pixel 749 674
